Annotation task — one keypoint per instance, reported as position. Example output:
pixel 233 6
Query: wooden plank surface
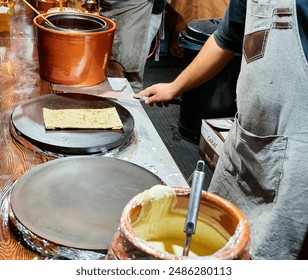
pixel 19 80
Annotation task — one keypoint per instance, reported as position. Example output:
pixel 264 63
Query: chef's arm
pixel 210 60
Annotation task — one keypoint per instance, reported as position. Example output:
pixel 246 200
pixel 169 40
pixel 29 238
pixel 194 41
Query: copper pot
pixel 222 215
pixel 70 58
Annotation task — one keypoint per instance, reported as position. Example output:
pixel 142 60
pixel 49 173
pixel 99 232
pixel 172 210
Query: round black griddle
pixel 77 201
pixel 27 120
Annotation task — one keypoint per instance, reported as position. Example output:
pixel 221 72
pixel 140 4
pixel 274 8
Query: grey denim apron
pixel 133 19
pixel 264 165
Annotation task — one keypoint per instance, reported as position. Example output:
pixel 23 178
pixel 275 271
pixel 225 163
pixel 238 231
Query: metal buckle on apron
pixel 281 12
pixel 282 25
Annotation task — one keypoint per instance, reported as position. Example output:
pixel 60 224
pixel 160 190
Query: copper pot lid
pixel 27 120
pixel 77 201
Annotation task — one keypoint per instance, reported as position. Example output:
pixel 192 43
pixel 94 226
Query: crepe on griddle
pixel 107 118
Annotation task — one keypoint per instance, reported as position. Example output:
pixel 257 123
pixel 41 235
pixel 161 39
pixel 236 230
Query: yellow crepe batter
pixel 161 225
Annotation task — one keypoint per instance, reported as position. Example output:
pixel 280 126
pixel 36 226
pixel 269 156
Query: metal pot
pixel 75 23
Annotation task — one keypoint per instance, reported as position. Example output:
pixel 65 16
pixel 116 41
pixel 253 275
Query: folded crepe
pixel 107 118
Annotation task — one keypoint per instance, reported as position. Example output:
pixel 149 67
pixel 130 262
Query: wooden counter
pixel 19 81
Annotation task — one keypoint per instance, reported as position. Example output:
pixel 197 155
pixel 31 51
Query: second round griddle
pixel 77 201
pixel 27 120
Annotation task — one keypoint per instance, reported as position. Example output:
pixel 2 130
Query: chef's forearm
pixel 210 60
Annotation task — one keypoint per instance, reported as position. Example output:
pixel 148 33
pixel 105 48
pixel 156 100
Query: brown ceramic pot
pixel 222 214
pixel 68 58
pixel 44 5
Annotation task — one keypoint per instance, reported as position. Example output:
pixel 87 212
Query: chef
pixel 264 166
pixel 138 22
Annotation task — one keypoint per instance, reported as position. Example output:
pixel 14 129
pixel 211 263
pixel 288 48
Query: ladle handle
pixel 194 199
pixel 35 10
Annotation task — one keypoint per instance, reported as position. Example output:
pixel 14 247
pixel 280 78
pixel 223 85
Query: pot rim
pixel 240 241
pixel 74 16
pixel 38 20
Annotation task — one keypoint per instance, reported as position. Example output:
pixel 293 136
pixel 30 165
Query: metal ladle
pixel 193 205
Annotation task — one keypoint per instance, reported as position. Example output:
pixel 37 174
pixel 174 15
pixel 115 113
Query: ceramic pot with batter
pixel 222 230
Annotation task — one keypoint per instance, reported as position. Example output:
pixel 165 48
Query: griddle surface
pixel 77 201
pixel 27 119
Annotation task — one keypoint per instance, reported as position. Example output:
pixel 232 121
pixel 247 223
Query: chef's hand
pixel 160 94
